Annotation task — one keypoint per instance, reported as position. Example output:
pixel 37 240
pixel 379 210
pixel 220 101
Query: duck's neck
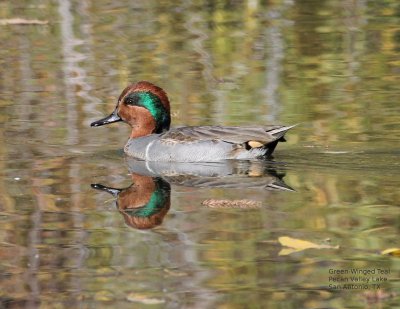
pixel 143 124
pixel 141 131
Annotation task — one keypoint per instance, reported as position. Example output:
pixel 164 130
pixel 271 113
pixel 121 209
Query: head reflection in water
pixel 143 204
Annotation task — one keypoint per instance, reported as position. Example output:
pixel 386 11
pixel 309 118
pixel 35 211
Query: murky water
pixel 233 235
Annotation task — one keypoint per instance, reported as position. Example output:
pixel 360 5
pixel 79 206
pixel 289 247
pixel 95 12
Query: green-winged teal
pixel 145 107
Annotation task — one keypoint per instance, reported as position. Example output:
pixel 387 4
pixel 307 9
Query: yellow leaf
pixel 392 252
pixel 287 251
pixel 296 245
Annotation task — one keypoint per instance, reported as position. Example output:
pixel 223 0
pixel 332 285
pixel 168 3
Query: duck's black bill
pixel 109 119
pixel 110 190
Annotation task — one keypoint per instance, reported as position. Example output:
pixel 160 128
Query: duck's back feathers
pixel 235 135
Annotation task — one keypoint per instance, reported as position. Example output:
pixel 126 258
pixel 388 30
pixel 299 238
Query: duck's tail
pixel 279 134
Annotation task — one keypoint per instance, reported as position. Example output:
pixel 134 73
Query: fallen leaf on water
pixel 392 252
pixel 212 203
pixel 296 245
pixel 287 251
pixel 22 21
pixel 144 299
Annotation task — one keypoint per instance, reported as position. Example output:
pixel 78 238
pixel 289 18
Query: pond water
pixel 286 233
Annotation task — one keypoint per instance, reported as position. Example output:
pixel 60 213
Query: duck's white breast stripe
pixel 146 155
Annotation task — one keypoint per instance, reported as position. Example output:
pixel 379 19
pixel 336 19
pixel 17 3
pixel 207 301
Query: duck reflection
pixel 227 174
pixel 145 203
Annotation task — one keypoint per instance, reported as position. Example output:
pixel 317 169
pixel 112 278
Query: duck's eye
pixel 132 100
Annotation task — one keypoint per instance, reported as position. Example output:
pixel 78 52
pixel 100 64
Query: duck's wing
pixel 235 134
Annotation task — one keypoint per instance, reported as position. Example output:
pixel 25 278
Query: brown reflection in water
pixel 144 203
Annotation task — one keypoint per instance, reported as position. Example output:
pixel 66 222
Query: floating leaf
pixel 296 245
pixel 392 252
pixel 22 21
pixel 287 251
pixel 144 299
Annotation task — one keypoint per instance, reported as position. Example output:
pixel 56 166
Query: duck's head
pixel 144 106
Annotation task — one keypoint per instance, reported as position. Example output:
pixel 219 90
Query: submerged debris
pixel 212 203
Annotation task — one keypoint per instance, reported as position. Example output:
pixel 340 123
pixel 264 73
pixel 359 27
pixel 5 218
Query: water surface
pixel 331 66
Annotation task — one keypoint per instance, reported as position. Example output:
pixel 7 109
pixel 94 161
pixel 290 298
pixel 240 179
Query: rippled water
pixel 232 235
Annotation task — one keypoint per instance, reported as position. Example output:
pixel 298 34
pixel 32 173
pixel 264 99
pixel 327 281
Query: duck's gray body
pixel 206 144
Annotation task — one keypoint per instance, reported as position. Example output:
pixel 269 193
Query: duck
pixel 146 108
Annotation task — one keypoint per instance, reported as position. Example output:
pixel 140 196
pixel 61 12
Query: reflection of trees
pixel 333 64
